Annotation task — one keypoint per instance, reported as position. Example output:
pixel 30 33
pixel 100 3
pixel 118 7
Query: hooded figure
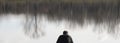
pixel 65 38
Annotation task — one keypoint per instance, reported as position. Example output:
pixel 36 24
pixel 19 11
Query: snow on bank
pixel 11 31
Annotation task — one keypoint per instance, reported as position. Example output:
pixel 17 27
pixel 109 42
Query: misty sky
pixel 12 26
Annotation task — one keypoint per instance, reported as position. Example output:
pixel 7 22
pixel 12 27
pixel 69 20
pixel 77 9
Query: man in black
pixel 65 38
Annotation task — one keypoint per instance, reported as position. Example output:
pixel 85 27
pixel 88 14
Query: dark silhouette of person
pixel 65 38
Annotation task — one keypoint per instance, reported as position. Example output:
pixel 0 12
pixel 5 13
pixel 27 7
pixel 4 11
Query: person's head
pixel 65 32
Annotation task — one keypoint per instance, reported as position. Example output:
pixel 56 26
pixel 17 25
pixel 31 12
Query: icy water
pixel 12 31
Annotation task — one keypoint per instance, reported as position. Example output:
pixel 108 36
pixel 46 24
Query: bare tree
pixel 31 26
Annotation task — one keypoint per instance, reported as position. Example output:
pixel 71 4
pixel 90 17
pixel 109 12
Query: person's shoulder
pixel 64 35
pixel 61 35
pixel 68 36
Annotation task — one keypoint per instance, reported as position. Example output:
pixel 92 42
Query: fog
pixel 12 31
